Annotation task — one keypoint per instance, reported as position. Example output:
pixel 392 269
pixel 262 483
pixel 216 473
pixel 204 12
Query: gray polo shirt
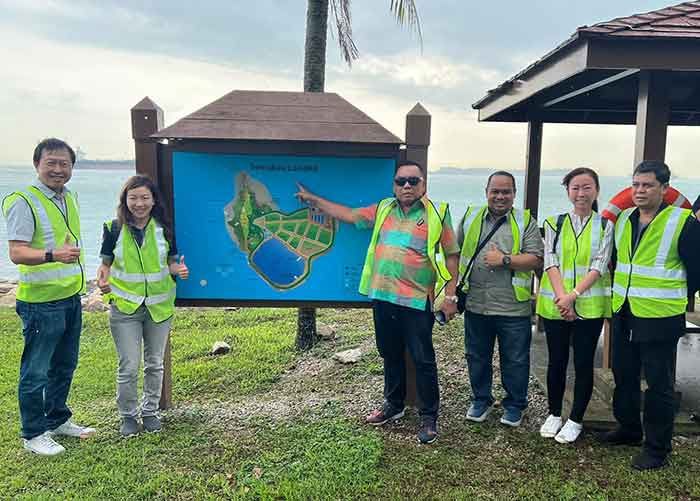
pixel 19 217
pixel 490 290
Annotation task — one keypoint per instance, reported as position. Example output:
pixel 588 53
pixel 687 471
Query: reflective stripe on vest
pixel 575 253
pixel 472 228
pixel 653 280
pixel 53 281
pixel 140 275
pixel 435 252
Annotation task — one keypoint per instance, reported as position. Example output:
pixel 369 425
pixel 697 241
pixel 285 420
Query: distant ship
pixel 82 162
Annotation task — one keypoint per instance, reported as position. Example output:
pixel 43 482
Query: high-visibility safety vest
pixel 473 222
pixel 653 279
pixel 41 283
pixel 140 275
pixel 575 253
pixel 436 254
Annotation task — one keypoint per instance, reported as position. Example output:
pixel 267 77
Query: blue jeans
pixel 514 335
pixel 51 344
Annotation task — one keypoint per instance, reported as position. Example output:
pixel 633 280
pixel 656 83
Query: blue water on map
pixel 279 264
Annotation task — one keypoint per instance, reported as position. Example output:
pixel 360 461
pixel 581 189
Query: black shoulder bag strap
pixel 479 249
pixel 560 224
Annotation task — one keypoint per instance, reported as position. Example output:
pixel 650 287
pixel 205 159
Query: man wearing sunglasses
pixel 501 246
pixel 413 255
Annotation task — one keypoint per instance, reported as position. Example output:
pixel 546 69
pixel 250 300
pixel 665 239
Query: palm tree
pixel 406 14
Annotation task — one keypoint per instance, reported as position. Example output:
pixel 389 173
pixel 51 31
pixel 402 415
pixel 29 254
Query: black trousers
pixel 560 334
pixel 657 359
pixel 398 329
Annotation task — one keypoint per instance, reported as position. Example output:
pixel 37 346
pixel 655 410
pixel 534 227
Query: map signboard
pixel 246 237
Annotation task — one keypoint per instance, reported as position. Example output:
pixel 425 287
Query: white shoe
pixel 551 426
pixel 44 445
pixel 569 433
pixel 70 429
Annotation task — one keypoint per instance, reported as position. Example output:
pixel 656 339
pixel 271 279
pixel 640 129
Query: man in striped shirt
pixel 413 248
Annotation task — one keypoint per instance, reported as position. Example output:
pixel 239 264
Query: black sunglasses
pixel 412 180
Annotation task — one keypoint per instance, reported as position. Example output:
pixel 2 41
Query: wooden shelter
pixel 642 69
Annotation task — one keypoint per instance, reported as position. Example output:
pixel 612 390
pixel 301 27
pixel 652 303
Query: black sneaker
pixel 428 431
pixel 645 461
pixel 620 437
pixel 384 415
pixel 129 427
pixel 151 424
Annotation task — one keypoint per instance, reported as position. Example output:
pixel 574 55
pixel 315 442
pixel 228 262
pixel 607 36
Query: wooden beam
pixel 557 68
pixel 653 112
pixel 533 164
pixel 655 54
pixel 589 88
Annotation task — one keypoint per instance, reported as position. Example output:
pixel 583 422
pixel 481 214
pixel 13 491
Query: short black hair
pixel 660 170
pixel 404 163
pixel 501 173
pixel 52 144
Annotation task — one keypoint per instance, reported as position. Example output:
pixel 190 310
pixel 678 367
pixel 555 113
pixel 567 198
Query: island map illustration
pixel 280 247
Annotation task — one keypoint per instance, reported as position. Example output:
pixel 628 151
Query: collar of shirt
pixel 495 219
pixel 48 191
pixel 417 207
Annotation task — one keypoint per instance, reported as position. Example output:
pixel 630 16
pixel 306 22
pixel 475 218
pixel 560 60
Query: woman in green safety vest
pixel 574 298
pixel 139 260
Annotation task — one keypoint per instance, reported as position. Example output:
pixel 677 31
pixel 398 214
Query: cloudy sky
pixel 74 68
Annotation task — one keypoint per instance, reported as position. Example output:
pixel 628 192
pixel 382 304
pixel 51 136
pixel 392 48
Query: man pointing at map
pixel 412 256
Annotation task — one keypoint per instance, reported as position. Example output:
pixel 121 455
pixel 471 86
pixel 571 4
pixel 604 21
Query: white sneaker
pixel 70 429
pixel 44 445
pixel 551 426
pixel 569 433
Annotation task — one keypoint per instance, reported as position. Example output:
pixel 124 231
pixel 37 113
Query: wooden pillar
pixel 146 119
pixel 417 142
pixel 652 116
pixel 533 165
pixel 418 136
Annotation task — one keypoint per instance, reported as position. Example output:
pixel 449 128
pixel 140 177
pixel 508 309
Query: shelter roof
pixel 280 116
pixel 592 76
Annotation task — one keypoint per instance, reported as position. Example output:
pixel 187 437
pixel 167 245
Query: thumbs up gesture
pixel 493 257
pixel 69 253
pixel 180 269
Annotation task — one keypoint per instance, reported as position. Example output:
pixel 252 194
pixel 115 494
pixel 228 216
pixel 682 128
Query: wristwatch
pixel 452 299
pixel 48 257
pixel 506 260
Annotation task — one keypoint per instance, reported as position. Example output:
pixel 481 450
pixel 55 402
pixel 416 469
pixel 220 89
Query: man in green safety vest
pixel 501 246
pixel 43 229
pixel 412 256
pixel 655 257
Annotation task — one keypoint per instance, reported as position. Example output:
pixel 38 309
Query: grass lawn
pixel 264 422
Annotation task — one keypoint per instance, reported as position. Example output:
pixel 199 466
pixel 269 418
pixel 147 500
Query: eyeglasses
pixel 412 180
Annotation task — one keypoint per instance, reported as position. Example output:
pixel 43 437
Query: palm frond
pixel 343 23
pixel 406 14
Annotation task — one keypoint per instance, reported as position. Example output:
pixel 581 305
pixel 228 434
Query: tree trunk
pixel 315 46
pixel 314 80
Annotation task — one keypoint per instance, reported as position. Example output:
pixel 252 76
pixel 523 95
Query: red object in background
pixel 623 200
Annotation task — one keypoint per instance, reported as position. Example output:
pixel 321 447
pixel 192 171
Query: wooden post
pixel 533 163
pixel 417 142
pixel 418 136
pixel 146 119
pixel 652 116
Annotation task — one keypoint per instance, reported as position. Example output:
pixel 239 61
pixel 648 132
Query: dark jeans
pixel 514 335
pixel 51 344
pixel 560 334
pixel 398 329
pixel 657 359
